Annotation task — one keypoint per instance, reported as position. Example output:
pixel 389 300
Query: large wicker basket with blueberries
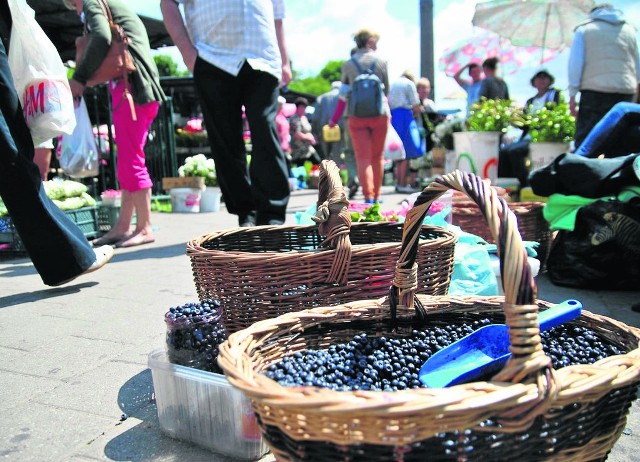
pixel 341 383
pixel 262 272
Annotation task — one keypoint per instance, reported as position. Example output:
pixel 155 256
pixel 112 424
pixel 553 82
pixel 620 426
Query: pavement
pixel 74 358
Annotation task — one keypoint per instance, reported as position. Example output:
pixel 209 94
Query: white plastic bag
pixel 77 153
pixel 393 147
pixel 39 76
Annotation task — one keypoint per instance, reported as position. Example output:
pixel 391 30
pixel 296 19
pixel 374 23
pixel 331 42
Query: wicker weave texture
pixel 531 224
pixel 262 272
pixel 527 411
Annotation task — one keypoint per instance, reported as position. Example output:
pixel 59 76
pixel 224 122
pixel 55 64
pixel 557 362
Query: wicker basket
pixel 531 224
pixel 262 272
pixel 527 411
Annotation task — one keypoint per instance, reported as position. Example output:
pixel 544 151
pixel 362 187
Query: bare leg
pixel 121 230
pixel 42 158
pixel 143 234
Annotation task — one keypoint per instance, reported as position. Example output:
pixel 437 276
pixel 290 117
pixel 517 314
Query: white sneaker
pixel 103 255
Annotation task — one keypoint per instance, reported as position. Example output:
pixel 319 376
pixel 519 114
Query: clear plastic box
pixel 203 408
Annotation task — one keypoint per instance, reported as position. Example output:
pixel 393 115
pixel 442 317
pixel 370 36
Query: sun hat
pixel 543 73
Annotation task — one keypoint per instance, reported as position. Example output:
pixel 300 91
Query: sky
pixel 319 31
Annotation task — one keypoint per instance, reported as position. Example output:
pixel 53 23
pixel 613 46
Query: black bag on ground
pixel 603 251
pixel 572 174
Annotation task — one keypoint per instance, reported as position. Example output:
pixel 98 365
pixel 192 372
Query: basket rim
pixel 475 401
pixel 195 246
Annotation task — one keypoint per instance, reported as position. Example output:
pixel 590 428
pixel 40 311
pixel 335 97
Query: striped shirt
pixel 227 33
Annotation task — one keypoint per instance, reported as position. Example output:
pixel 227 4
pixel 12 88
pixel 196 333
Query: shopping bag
pixel 77 153
pixel 393 147
pixel 39 76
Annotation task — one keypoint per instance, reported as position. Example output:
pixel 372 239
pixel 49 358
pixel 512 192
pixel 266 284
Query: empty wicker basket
pixel 528 411
pixel 265 271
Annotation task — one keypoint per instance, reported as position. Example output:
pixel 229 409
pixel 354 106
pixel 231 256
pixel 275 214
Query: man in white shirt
pixel 236 51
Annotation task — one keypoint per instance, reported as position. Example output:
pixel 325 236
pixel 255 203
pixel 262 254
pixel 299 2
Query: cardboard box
pixel 183 182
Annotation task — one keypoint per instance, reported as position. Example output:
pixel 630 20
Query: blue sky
pixel 318 31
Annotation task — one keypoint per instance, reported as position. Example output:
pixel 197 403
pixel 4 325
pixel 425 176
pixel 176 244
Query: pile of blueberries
pixel 194 333
pixel 392 364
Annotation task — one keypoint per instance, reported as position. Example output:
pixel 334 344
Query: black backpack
pixel 367 96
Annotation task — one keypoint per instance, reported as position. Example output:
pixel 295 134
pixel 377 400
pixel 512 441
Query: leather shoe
pixel 103 255
pixel 247 220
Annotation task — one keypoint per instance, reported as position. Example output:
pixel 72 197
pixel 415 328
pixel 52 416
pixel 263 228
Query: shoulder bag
pixel 118 62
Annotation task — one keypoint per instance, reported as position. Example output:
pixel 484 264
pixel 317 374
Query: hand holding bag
pixel 393 147
pixel 77 153
pixel 39 76
pixel 118 62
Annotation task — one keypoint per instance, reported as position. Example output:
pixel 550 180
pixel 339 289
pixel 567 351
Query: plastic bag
pixel 78 152
pixel 603 250
pixel 39 76
pixel 393 147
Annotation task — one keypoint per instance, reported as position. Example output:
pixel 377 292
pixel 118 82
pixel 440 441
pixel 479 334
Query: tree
pixel 332 71
pixel 319 84
pixel 166 65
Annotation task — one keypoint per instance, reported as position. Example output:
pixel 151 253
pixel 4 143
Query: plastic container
pixel 203 408
pixel 210 199
pixel 193 341
pixel 477 152
pixel 185 200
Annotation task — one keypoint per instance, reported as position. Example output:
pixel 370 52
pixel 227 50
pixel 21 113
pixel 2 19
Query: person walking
pixel 367 132
pixel 405 106
pixel 472 87
pixel 131 121
pixel 324 107
pixel 492 86
pixel 604 67
pixel 236 51
pixel 57 247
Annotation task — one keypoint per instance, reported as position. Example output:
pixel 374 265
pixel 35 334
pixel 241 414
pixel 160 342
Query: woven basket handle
pixel 528 362
pixel 334 220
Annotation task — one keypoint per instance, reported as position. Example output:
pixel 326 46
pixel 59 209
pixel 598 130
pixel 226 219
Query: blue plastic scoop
pixel 486 350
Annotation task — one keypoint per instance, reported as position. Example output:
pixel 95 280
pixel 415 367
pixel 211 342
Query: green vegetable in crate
pixel 54 189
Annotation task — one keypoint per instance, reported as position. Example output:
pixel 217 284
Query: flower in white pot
pixel 200 165
pixel 551 128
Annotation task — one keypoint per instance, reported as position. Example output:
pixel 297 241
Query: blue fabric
pixel 602 137
pixel 407 128
pixel 57 247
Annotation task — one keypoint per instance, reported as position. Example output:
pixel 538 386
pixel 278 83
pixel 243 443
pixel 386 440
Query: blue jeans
pixel 57 247
pixel 615 134
pixel 593 107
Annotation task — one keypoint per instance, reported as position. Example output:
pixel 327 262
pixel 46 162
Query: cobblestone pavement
pixel 74 358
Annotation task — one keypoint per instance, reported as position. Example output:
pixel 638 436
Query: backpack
pixel 366 98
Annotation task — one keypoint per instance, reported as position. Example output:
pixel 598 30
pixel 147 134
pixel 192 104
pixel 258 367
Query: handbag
pixel 39 77
pixel 118 62
pixel 78 153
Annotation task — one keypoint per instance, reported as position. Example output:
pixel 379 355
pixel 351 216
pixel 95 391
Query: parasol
pixel 487 44
pixel 547 24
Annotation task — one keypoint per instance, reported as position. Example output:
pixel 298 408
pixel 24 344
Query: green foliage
pixel 311 85
pixel 552 123
pixel 318 84
pixel 166 65
pixel 332 71
pixel 491 115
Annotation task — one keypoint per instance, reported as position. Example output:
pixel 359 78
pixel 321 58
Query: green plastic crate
pixel 108 216
pixel 86 218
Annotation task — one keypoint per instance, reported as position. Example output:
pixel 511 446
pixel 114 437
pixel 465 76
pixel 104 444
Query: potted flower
pixel 551 128
pixel 477 147
pixel 442 137
pixel 200 165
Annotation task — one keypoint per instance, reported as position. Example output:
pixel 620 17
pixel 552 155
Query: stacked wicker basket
pixel 262 272
pixel 528 411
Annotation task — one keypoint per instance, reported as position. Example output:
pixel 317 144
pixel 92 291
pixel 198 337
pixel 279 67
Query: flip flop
pixel 136 239
pixel 106 241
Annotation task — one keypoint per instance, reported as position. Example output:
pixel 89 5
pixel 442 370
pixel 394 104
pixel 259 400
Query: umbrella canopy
pixel 487 44
pixel 547 24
